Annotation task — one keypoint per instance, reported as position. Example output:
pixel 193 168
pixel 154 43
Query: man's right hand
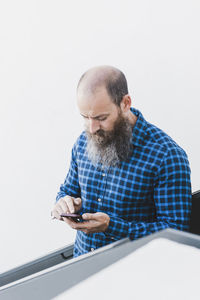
pixel 66 204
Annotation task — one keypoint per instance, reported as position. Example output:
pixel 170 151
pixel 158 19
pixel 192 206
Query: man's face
pixel 99 112
pixel 108 131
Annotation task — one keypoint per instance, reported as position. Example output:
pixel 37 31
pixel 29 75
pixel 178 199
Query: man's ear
pixel 125 103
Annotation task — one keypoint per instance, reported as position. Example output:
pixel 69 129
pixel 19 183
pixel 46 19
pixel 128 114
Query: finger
pixel 89 216
pixel 52 215
pixel 56 215
pixel 70 222
pixel 64 206
pixel 70 204
pixel 77 201
pixel 67 220
pixel 76 225
pixel 56 211
pixel 83 226
pixel 59 209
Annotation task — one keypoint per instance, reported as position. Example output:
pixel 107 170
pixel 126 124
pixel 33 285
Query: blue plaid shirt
pixel 148 192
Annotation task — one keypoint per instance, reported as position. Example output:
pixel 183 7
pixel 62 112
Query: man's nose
pixel 93 126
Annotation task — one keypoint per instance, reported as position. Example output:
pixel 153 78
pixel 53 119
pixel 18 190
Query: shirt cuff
pixel 117 228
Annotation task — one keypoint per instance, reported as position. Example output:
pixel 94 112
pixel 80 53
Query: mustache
pixel 99 132
pixel 102 137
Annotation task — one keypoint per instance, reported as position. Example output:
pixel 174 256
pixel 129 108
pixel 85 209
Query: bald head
pixel 104 77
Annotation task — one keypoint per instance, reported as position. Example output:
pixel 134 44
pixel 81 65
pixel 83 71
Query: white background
pixel 45 46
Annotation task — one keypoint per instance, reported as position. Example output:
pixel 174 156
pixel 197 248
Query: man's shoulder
pixel 82 139
pixel 80 142
pixel 161 141
pixel 152 138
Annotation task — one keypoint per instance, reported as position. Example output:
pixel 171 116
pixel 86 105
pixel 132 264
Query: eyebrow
pixel 97 117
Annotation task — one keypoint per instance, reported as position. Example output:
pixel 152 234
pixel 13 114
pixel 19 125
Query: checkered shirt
pixel 148 192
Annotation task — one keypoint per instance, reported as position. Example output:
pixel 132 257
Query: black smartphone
pixel 74 217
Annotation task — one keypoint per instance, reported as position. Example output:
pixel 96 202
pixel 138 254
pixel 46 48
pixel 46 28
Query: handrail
pixel 37 265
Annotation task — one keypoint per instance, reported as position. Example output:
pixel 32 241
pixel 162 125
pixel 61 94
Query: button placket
pixel 100 199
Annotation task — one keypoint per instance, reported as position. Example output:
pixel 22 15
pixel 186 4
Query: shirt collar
pixel 139 130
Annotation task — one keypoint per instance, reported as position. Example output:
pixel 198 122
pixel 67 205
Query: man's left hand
pixel 97 222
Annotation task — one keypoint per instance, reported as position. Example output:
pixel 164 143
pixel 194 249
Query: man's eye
pixel 102 119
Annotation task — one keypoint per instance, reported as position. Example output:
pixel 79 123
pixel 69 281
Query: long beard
pixel 110 148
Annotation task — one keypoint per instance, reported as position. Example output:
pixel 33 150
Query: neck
pixel 132 118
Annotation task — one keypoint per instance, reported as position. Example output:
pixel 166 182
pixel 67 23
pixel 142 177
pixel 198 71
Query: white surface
pixel 45 46
pixel 160 270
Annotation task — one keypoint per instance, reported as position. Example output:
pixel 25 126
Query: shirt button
pixel 92 249
pixel 99 199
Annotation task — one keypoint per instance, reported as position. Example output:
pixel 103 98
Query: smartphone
pixel 75 217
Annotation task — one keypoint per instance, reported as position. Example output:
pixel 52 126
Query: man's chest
pixel 120 189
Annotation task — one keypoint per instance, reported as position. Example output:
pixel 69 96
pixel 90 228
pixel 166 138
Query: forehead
pixel 97 103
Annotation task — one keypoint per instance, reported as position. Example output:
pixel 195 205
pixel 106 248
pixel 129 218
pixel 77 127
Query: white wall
pixel 45 47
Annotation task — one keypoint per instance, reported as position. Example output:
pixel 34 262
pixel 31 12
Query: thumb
pixel 77 201
pixel 88 216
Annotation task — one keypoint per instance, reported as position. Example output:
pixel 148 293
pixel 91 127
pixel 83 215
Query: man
pixel 127 177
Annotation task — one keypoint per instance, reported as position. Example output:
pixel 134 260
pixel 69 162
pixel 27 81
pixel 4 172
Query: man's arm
pixel 71 185
pixel 68 198
pixel 172 198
